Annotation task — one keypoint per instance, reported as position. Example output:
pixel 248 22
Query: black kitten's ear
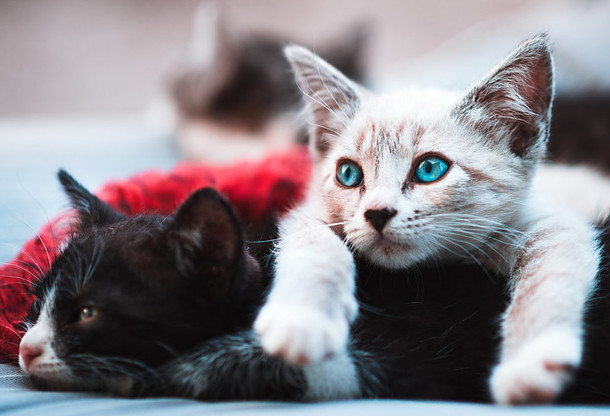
pixel 91 210
pixel 206 239
pixel 332 99
pixel 512 105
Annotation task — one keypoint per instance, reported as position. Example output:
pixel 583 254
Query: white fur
pixel 483 210
pixel 540 369
pixel 307 314
pixel 555 287
pixel 332 379
pixel 39 337
pixel 579 188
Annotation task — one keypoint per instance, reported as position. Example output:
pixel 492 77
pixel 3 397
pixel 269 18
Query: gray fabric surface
pixel 18 398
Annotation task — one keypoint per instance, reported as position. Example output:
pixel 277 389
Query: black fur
pixel 432 330
pixel 161 286
pixel 234 367
pixel 580 132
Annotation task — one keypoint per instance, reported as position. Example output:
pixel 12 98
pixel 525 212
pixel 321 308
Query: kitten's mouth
pixel 388 250
pixel 389 246
pixel 390 253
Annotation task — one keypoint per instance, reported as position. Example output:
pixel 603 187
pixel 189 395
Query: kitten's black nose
pixel 379 217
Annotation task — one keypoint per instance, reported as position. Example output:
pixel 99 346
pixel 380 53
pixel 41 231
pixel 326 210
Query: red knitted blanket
pixel 256 189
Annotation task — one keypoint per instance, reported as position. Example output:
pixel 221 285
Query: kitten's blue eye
pixel 431 169
pixel 349 174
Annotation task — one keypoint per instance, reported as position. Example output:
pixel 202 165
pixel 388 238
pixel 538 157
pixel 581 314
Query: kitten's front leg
pixel 552 278
pixel 306 317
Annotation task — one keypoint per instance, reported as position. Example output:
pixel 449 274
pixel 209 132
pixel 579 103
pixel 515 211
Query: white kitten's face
pixel 429 185
pixel 424 174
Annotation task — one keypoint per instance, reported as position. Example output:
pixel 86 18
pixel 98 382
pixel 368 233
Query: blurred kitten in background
pixel 233 94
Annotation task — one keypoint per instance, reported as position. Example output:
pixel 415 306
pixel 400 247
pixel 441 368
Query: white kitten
pixel 433 176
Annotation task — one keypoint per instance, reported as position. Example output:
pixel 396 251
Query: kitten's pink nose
pixel 379 217
pixel 28 353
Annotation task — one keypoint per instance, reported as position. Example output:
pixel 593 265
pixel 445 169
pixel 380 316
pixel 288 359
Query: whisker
pixel 473 258
pixel 11 329
pixel 29 256
pixel 321 225
pixel 458 242
pixel 16 279
pixel 477 221
pixel 454 232
pixel 330 92
pixel 333 131
pixel 44 246
pixel 478 236
pixel 26 270
pixel 48 220
pixel 318 100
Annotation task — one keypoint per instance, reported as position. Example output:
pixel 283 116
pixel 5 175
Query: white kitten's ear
pixel 331 98
pixel 512 105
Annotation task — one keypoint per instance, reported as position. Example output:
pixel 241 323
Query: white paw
pixel 539 371
pixel 301 335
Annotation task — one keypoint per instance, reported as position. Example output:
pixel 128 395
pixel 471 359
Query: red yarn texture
pixel 257 189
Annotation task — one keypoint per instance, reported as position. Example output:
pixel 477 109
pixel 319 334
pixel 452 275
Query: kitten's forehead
pixel 422 105
pixel 392 130
pixel 75 268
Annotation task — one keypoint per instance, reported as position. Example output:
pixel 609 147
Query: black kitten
pixel 128 294
pixel 162 306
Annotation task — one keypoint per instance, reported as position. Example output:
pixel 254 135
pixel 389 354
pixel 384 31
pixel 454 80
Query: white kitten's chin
pixel 390 254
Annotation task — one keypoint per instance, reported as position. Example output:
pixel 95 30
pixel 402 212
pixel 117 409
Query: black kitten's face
pixel 126 295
